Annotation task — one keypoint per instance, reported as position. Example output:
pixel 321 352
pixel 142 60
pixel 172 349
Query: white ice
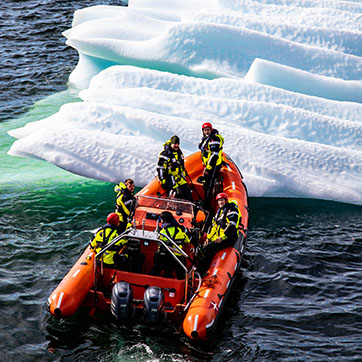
pixel 280 79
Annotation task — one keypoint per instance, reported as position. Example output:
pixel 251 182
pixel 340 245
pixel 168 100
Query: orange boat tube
pixel 201 318
pixel 205 309
pixel 73 289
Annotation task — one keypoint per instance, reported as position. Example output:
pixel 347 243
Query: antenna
pixel 146 163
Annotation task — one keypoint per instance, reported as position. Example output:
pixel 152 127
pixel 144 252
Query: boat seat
pixel 135 256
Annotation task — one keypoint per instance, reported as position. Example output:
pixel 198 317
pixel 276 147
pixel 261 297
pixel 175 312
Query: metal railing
pixel 127 234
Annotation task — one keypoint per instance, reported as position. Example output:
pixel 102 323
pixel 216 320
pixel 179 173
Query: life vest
pixel 226 222
pixel 104 236
pixel 211 150
pixel 171 166
pixel 177 235
pixel 125 202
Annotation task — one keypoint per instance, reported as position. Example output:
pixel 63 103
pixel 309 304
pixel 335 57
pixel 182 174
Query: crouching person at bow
pixel 163 260
pixel 113 256
pixel 223 231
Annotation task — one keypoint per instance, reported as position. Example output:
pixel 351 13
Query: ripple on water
pixel 298 297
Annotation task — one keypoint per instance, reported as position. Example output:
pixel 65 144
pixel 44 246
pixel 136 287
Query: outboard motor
pixel 121 301
pixel 153 304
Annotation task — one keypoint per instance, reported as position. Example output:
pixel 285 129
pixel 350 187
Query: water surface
pixel 298 295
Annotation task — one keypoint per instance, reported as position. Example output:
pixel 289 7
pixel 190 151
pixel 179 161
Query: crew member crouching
pixel 112 257
pixel 223 231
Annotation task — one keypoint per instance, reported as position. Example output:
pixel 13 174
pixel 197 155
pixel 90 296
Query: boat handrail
pixel 178 201
pixel 125 235
pixel 196 291
pixel 174 244
pixel 173 255
pixel 176 258
pixel 101 252
pixel 164 244
pixel 166 201
pixel 115 240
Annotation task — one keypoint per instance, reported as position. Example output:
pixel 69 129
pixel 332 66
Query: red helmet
pixel 113 218
pixel 206 125
pixel 222 195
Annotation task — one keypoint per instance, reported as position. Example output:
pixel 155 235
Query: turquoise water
pixel 298 296
pixel 18 170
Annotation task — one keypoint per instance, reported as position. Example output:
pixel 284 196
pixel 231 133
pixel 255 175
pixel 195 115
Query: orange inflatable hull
pixel 205 309
pixel 200 313
pixel 73 289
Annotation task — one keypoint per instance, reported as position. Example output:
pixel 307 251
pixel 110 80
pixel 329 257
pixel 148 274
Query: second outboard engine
pixel 121 301
pixel 153 304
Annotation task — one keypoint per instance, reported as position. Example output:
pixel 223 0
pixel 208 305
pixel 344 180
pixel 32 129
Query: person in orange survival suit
pixel 223 231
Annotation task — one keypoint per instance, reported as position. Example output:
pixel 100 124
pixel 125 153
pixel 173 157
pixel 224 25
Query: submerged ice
pixel 281 80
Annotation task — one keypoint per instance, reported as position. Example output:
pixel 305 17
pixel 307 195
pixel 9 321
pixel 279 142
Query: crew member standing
pixel 125 202
pixel 211 146
pixel 171 170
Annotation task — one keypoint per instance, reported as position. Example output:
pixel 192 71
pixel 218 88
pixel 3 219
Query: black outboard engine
pixel 153 304
pixel 121 301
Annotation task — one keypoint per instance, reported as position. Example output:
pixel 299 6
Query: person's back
pixel 174 231
pixel 104 236
pixel 163 260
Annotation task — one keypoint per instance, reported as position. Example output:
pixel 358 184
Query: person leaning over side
pixel 211 146
pixel 103 236
pixel 171 170
pixel 125 202
pixel 224 229
pixel 163 260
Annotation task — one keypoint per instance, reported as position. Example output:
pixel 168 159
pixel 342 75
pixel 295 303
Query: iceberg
pixel 281 80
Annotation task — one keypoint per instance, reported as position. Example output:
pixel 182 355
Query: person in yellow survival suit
pixel 211 146
pixel 171 170
pixel 111 257
pixel 224 229
pixel 125 202
pixel 163 260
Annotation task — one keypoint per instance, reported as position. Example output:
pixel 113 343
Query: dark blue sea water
pixel 299 293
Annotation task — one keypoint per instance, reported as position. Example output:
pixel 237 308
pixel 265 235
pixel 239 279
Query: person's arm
pixel 121 207
pixel 162 168
pixel 97 238
pixel 233 217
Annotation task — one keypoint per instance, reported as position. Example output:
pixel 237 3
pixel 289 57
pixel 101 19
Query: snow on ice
pixel 280 79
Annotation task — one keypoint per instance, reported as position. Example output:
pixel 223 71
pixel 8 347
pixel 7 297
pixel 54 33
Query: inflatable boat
pixel 196 301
